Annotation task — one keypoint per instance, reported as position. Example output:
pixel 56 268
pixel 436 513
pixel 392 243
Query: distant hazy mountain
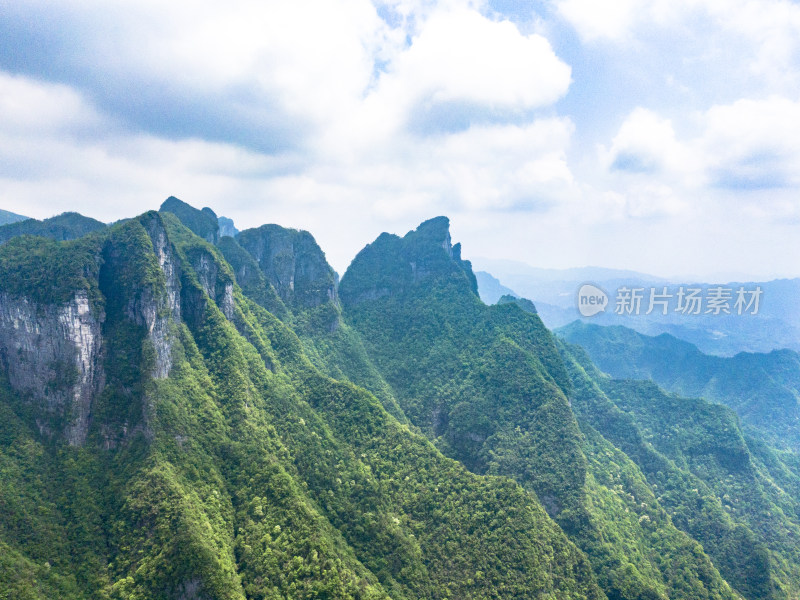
pixel 776 325
pixel 490 288
pixel 7 217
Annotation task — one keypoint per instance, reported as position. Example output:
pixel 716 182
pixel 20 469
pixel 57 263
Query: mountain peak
pixel 201 222
pixel 392 265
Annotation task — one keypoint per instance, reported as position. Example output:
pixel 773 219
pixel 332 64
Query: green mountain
pixel 190 415
pixel 67 226
pixel 7 217
pixel 165 436
pixel 763 389
pixel 202 222
pixel 730 492
pixel 488 386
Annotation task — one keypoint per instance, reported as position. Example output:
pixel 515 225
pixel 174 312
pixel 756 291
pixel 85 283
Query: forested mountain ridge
pixel 488 386
pixel 734 494
pixel 763 388
pixel 193 415
pixel 163 436
pixel 66 226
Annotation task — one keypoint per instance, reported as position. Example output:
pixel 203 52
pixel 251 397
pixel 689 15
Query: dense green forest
pixel 763 388
pixel 67 226
pixel 190 415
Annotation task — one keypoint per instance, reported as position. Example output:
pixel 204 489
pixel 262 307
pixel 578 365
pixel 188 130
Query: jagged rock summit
pixel 391 265
pixel 293 263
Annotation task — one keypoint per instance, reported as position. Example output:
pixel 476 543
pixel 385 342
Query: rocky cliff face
pixel 293 263
pixel 156 311
pixel 54 353
pixel 217 284
pixel 52 357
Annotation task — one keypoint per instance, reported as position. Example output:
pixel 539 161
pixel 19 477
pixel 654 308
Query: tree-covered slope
pixel 763 389
pixel 67 226
pixel 165 436
pixel 488 386
pixel 285 271
pixel 723 489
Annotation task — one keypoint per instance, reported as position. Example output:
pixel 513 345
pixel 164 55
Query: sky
pixel 661 136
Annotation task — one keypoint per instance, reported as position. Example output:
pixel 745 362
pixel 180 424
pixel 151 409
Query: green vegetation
pixel 488 386
pixel 255 437
pixel 247 473
pixel 67 226
pixel 763 389
pixel 701 470
pixel 49 272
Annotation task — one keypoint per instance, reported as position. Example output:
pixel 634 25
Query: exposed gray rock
pixel 52 357
pixel 293 263
pixel 155 310
pixel 219 289
pixel 227 227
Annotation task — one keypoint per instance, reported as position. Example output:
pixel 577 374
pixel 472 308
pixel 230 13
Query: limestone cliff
pixel 293 263
pixel 51 355
pixel 53 347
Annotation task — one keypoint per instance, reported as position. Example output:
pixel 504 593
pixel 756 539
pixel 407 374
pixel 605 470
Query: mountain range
pixel 188 414
pixel 771 325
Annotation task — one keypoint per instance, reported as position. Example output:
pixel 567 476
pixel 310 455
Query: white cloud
pixel 464 56
pixel 646 144
pixel 443 108
pixel 754 142
pixel 28 107
pixel 744 155
pixel 597 20
pixel 759 36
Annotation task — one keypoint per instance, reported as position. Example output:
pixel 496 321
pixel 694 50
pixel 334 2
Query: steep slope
pixel 67 226
pixel 702 470
pixel 763 389
pixel 179 444
pixel 286 265
pixel 488 386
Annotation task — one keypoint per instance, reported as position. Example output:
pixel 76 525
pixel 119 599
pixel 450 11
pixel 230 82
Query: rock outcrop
pixel 157 310
pixel 215 281
pixel 293 263
pixel 51 355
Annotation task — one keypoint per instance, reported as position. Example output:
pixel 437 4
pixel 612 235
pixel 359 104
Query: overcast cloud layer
pixel 661 136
